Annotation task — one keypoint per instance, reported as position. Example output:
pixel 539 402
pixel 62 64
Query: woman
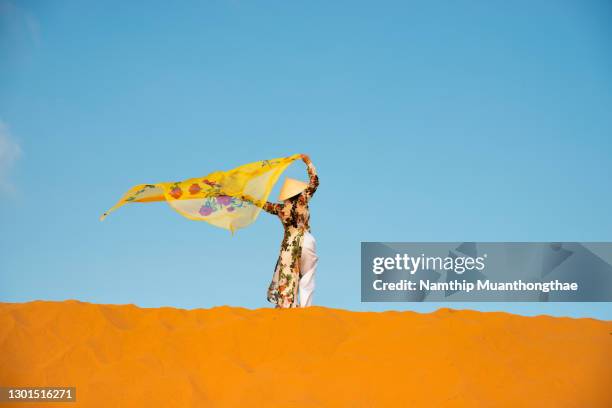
pixel 297 262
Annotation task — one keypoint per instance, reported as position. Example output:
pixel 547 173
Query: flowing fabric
pixel 227 199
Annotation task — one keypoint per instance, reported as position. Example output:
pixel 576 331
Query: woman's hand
pixel 306 158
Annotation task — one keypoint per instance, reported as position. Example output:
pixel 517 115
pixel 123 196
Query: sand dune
pixel 125 356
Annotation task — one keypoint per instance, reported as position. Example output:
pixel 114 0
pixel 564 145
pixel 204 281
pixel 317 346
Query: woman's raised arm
pixel 314 178
pixel 272 208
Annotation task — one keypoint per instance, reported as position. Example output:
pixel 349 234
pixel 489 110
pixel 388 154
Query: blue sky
pixel 427 121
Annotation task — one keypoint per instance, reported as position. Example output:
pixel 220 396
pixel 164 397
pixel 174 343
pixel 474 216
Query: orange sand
pixel 125 356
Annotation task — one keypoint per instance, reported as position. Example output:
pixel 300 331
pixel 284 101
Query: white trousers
pixel 308 266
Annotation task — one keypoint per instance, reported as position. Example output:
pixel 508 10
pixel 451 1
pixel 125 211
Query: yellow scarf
pixel 227 199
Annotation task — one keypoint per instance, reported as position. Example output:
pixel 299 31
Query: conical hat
pixel 290 188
